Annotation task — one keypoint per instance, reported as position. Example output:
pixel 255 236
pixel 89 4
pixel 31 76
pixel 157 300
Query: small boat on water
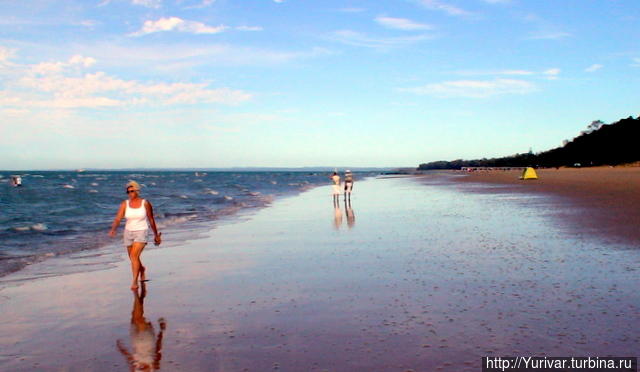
pixel 16 181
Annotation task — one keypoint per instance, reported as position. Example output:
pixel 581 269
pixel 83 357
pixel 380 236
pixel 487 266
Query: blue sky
pixel 200 83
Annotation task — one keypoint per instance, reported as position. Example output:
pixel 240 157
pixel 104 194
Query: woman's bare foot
pixel 134 286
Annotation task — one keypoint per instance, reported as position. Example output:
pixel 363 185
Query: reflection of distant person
pixel 145 353
pixel 351 217
pixel 348 184
pixel 337 215
pixel 336 185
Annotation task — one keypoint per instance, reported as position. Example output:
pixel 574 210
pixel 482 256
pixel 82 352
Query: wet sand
pixel 602 200
pixel 413 276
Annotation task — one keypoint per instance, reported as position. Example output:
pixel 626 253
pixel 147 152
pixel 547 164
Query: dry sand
pixel 412 277
pixel 605 200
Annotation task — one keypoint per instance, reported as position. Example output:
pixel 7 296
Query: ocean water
pixel 56 213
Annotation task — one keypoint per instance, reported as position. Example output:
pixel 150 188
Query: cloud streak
pixel 177 24
pixel 402 24
pixel 444 7
pixel 155 4
pixel 593 68
pixel 355 38
pixel 474 88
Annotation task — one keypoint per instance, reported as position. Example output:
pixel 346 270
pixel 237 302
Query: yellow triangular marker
pixel 529 174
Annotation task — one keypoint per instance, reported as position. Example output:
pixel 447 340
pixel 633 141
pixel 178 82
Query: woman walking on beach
pixel 139 215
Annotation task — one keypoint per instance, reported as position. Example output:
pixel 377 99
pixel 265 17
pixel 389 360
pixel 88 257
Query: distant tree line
pixel 599 144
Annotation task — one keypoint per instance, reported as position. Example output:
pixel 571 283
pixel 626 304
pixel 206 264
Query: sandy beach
pixel 419 274
pixel 603 200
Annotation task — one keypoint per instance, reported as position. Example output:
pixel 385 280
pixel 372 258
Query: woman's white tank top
pixel 136 217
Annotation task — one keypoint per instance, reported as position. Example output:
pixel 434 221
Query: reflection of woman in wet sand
pixel 337 214
pixel 351 217
pixel 146 349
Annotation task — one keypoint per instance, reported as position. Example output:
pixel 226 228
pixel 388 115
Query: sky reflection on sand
pixel 431 277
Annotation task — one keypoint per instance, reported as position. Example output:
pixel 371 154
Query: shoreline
pixel 426 278
pixel 99 243
pixel 607 198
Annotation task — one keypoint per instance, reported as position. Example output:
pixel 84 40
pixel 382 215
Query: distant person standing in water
pixel 348 184
pixel 139 215
pixel 336 186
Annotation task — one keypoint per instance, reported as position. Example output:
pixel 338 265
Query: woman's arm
pixel 157 235
pixel 116 221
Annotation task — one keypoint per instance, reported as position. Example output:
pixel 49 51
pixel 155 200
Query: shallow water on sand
pixel 57 213
pixel 423 277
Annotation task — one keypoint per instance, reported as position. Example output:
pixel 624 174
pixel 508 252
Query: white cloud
pixel 278 1
pixel 148 3
pixel 61 85
pixel 552 73
pixel 177 24
pixel 88 23
pixel 359 39
pixel 593 68
pixel 636 62
pixel 249 28
pixel 14 112
pixel 402 24
pixel 474 88
pixel 45 68
pixel 497 1
pixel 444 7
pixel 6 54
pixel 80 60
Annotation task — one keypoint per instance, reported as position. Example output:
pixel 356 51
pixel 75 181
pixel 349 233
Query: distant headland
pixel 599 144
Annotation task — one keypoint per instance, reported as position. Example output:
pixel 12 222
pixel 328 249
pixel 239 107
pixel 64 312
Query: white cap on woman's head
pixel 133 184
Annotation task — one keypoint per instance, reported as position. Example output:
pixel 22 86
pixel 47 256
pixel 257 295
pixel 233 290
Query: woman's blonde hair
pixel 134 184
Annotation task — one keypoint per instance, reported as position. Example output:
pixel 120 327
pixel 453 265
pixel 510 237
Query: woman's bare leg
pixel 136 264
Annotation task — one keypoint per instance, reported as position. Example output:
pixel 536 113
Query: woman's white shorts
pixel 139 236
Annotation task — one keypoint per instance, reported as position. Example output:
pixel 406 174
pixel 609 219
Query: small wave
pixel 94 184
pixel 211 192
pixel 39 227
pixel 274 182
pixel 228 197
pixel 93 191
pixel 183 197
pixel 174 220
pixel 254 193
pixel 67 186
pixel 34 227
